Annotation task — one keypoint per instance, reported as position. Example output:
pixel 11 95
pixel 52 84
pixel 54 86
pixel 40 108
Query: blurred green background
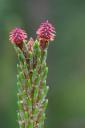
pixel 66 59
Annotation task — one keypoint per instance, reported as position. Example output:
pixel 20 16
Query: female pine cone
pixel 18 36
pixel 45 33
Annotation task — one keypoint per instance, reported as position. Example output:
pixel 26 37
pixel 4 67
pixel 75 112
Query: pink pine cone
pixel 17 36
pixel 46 32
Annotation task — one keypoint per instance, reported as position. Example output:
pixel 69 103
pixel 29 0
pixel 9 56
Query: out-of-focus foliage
pixel 66 59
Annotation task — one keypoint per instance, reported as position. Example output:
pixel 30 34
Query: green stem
pixel 31 87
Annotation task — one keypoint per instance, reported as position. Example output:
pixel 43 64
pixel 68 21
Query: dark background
pixel 66 59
